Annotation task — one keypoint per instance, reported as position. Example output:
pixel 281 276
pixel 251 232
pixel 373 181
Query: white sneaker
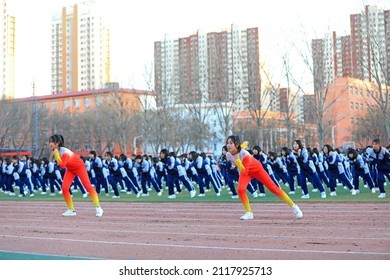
pixel 314 190
pixel 234 196
pixel 373 190
pixel 354 192
pixel 382 195
pixel 192 193
pixel 11 194
pixel 298 213
pixel 255 194
pixel 85 195
pixel 99 211
pixel 333 194
pixel 43 193
pixel 138 194
pixel 218 194
pixel 201 195
pixel 323 195
pixel 261 194
pixel 145 194
pixel 247 216
pixel 159 193
pixel 291 192
pixel 69 213
pixel 305 196
pixel 32 195
pixel 172 196
pixel 116 196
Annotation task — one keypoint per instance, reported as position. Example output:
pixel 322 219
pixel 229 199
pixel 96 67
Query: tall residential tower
pixel 80 49
pixel 7 52
pixel 208 68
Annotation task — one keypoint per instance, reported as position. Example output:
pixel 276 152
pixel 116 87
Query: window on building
pixel 87 102
pixel 351 105
pixel 76 103
pixel 54 105
pixel 352 121
pixel 357 106
pixel 361 107
pixel 66 104
pixel 98 100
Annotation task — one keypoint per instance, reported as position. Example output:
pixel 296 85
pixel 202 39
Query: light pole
pixel 135 143
pixel 333 127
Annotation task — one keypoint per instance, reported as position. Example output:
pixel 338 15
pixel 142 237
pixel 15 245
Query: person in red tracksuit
pixel 74 167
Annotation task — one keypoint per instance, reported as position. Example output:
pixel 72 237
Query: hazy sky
pixel 136 25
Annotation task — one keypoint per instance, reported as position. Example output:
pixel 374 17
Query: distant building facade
pixel 80 58
pixel 7 52
pixel 358 55
pixel 213 67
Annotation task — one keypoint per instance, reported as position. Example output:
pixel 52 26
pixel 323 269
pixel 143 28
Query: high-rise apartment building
pixel 213 67
pixel 359 55
pixel 7 52
pixel 80 49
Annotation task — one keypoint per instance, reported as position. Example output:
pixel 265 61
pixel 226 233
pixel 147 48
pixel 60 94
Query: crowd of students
pixel 325 169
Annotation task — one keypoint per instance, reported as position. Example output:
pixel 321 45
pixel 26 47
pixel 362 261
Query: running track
pixel 200 231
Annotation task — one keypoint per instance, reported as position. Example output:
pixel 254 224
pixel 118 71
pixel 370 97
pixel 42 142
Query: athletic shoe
pixel 192 193
pixel 32 195
pixel 21 195
pixel 314 190
pixel 11 194
pixel 261 194
pixel 85 195
pixel 255 194
pixel 218 194
pixel 201 195
pixel 291 192
pixel 373 190
pixel 43 193
pixel 116 196
pixel 160 193
pixel 354 192
pixel 323 195
pixel 247 216
pixel 145 194
pixel 234 196
pixel 333 194
pixel 305 196
pixel 173 196
pixel 69 213
pixel 138 194
pixel 298 213
pixel 382 195
pixel 99 211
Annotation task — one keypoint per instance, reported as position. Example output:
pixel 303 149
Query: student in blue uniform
pixel 22 176
pixel 359 169
pixel 97 167
pixel 146 177
pixel 293 169
pixel 380 158
pixel 308 170
pixel 336 170
pixel 175 170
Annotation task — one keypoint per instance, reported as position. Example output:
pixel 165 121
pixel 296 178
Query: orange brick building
pixel 81 101
pixel 348 101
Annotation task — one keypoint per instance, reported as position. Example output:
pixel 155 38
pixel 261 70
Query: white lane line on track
pixel 197 247
pixel 160 232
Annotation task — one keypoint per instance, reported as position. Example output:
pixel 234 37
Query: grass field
pixel 343 195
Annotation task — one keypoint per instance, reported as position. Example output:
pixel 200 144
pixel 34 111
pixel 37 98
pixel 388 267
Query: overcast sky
pixel 136 25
